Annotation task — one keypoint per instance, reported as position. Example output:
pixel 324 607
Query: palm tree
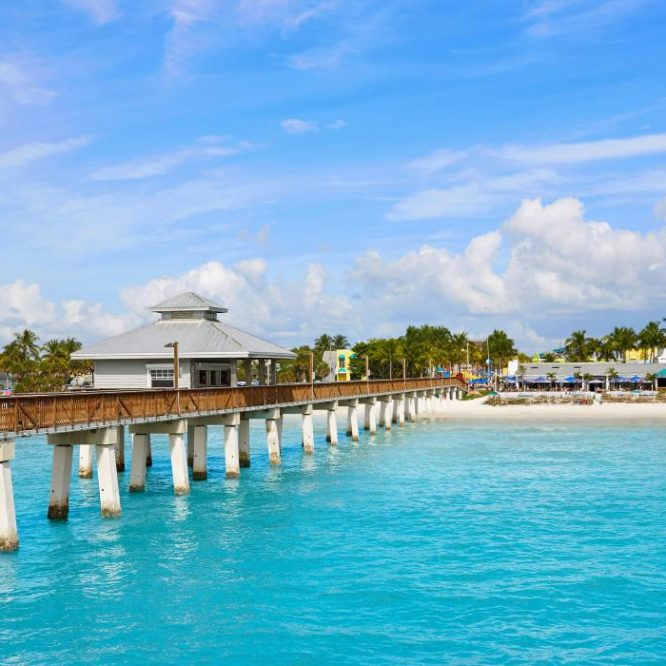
pixel 551 377
pixel 340 342
pixel 389 351
pixel 587 378
pixel 501 347
pixel 459 347
pixel 652 378
pixel 578 377
pixel 577 347
pixel 651 338
pixel 612 375
pixel 623 338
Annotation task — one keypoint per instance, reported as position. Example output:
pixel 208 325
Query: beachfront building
pixel 209 351
pixel 339 363
pixel 595 375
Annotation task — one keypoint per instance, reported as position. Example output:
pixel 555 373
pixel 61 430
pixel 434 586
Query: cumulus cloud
pixel 546 260
pixel 298 126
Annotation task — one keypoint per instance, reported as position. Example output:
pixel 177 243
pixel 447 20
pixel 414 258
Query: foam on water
pixel 434 543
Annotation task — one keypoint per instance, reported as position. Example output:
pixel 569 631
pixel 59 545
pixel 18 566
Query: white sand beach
pixel 477 410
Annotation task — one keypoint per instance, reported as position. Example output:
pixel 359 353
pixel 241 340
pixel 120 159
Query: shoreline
pixel 597 414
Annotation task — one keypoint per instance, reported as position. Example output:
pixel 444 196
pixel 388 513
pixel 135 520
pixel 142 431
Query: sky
pixel 328 165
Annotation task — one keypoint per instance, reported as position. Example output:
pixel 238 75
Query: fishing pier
pixel 97 422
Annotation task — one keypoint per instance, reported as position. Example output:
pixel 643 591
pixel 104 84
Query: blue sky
pixel 326 165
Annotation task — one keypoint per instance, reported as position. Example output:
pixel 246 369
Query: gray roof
pixel 562 370
pixel 189 301
pixel 197 338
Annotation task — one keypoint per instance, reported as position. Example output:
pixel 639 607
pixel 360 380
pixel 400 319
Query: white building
pixel 209 350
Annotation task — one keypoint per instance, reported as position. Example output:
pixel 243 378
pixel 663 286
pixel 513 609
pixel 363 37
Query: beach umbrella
pixel 569 380
pixel 635 379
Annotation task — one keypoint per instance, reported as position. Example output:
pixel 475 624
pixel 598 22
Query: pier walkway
pixel 95 421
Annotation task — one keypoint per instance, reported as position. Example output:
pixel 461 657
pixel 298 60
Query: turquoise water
pixel 431 544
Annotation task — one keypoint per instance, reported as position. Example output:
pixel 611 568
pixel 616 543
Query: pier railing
pixel 49 412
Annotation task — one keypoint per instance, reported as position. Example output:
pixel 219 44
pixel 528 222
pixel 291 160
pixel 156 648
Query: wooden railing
pixel 27 414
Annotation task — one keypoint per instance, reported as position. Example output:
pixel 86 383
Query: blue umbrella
pixel 569 380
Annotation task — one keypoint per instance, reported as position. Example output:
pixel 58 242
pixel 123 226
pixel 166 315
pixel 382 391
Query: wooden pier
pixel 97 420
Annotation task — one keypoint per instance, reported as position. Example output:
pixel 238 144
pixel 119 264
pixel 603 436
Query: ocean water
pixel 431 544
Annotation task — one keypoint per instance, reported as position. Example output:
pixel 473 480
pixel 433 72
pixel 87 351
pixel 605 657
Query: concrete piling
pixel 120 449
pixel 86 456
pixel 178 452
pixel 199 452
pixel 244 442
pixel 8 530
pixel 61 474
pixel 273 441
pixel 332 425
pixel 232 465
pixel 308 430
pixel 139 456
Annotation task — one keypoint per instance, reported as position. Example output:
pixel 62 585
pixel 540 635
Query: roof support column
pixel 247 365
pixel 273 371
pixel 262 371
pixel 8 530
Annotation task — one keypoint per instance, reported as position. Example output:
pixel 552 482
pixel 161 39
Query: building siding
pixel 132 374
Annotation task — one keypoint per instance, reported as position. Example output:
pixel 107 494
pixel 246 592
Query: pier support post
pixel 460 394
pixel 332 425
pixel 149 452
pixel 61 474
pixel 388 413
pixel 190 445
pixel 178 452
pixel 107 478
pixel 232 465
pixel 381 415
pixel 199 452
pixel 138 469
pixel 85 461
pixel 370 421
pixel 308 430
pixel 8 530
pixel 352 420
pixel 401 409
pixel 120 449
pixel 273 440
pixel 244 442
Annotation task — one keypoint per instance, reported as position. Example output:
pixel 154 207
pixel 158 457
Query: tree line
pixel 613 347
pixel 37 368
pixel 422 349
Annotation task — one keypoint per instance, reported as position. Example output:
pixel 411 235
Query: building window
pixel 341 362
pixel 203 377
pixel 161 378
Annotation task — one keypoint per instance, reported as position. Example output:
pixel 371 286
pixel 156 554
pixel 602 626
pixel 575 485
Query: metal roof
pixel 187 302
pixel 197 338
pixel 562 370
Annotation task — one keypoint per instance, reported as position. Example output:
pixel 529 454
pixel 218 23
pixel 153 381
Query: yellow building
pixel 339 362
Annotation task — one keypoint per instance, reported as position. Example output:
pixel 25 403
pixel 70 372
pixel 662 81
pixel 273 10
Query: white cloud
pixel 31 152
pixel 101 11
pixel 18 84
pixel 298 126
pixel 545 261
pixel 586 151
pixel 554 261
pixel 475 195
pixel 438 160
pixel 158 165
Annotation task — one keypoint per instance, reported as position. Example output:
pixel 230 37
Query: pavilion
pixel 209 350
